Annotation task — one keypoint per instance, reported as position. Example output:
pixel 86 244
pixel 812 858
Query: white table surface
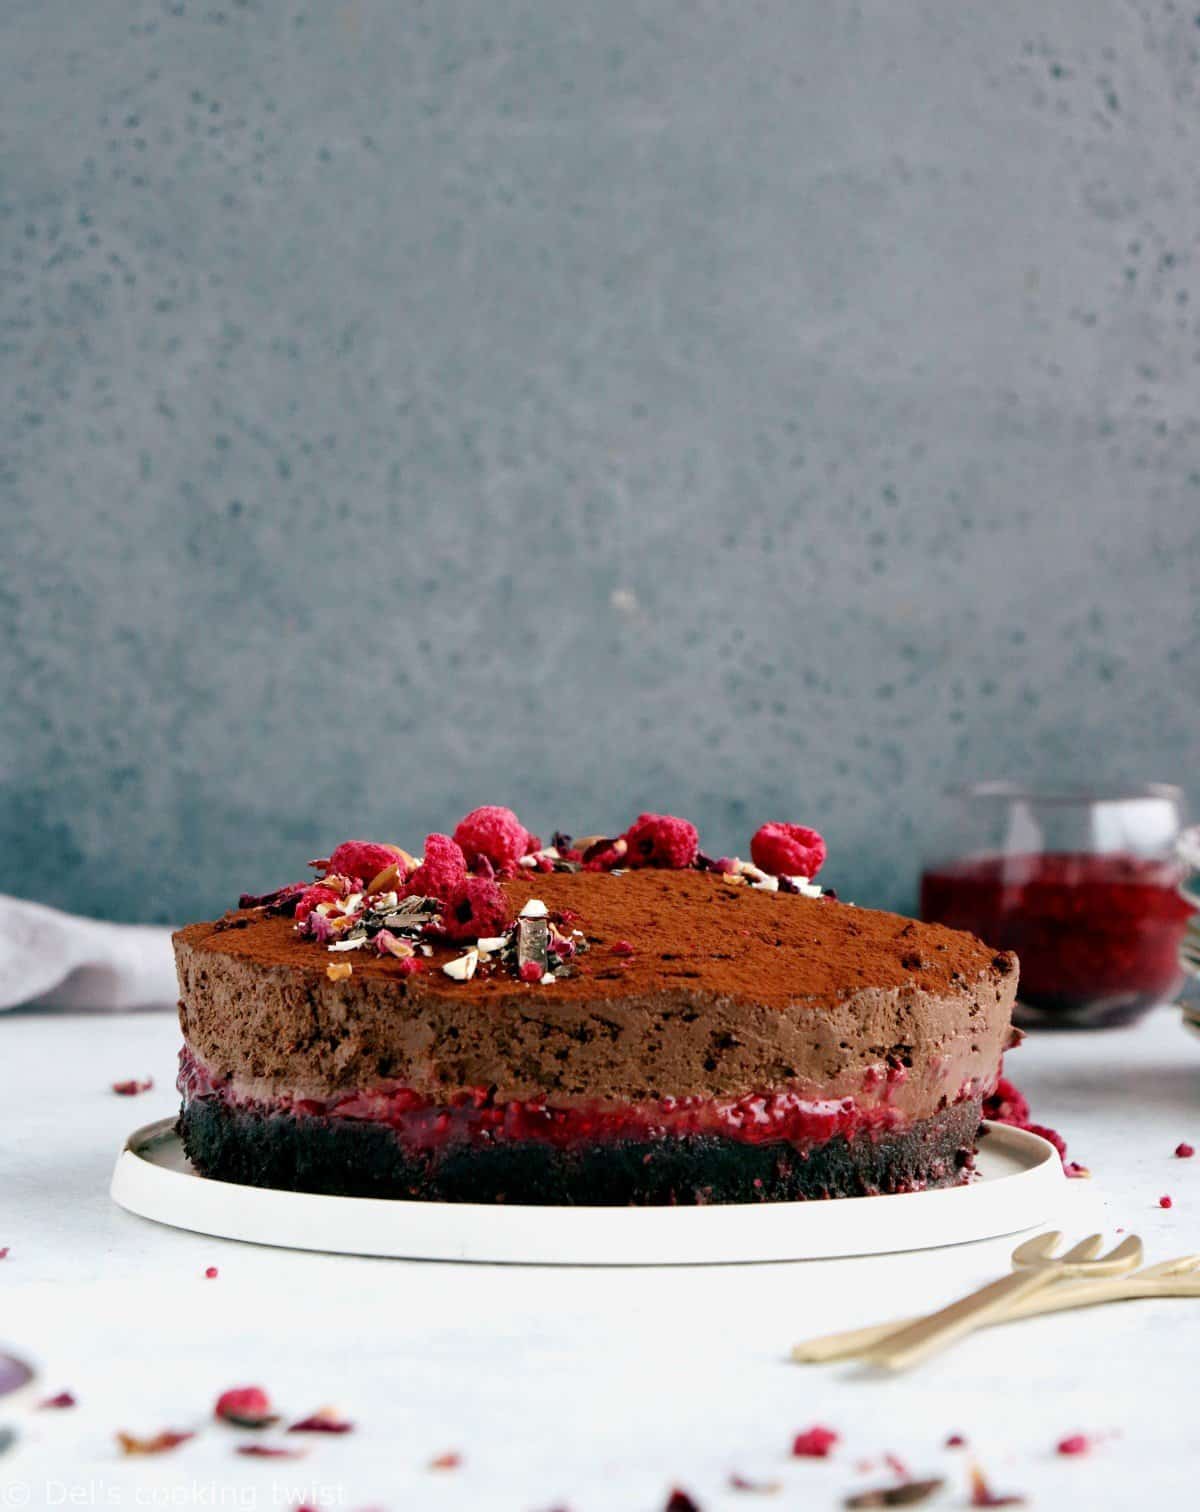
pixel 579 1388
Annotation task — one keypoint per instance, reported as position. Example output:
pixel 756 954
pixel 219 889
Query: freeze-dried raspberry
pixel 661 840
pixel 788 850
pixel 311 896
pixel 530 971
pixel 814 1443
pixel 211 1273
pixel 245 1407
pixel 1166 1202
pixel 1074 1443
pixel 1052 1136
pixel 1184 1151
pixel 442 871
pixel 475 910
pixel 363 859
pixel 1006 1104
pixel 496 833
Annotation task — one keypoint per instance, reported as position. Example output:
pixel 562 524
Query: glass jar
pixel 1083 885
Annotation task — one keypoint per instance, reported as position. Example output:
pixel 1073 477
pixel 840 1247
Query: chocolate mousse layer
pixel 691 987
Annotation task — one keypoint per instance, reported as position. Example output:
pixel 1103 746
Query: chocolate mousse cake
pixel 619 1020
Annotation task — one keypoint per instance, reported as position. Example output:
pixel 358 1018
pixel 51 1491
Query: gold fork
pixel 1169 1278
pixel 1034 1267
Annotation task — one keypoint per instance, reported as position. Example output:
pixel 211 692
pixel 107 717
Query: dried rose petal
pixel 814 1443
pixel 450 1460
pixel 131 1088
pixel 386 943
pixel 63 1399
pixel 324 1420
pixel 159 1444
pixel 897 1466
pixel 1184 1151
pixel 4 1253
pixel 956 1441
pixel 906 1493
pixel 621 948
pixel 245 1407
pixel 762 1487
pixel 1074 1443
pixel 982 1494
pixel 269 1451
pixel 281 901
pixel 680 1501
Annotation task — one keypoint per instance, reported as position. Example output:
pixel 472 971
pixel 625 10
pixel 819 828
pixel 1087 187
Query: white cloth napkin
pixel 53 958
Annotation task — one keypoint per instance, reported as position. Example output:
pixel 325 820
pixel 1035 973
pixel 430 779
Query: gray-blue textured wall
pixel 749 411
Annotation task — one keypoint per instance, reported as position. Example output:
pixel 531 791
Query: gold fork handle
pixel 927 1335
pixel 1063 1296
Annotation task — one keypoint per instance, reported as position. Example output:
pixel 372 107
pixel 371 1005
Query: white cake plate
pixel 1018 1186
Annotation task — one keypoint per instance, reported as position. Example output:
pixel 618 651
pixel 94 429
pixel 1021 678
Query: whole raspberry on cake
pixel 609 1021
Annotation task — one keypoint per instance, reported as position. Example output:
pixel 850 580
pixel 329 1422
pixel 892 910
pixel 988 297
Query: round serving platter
pixel 1019 1184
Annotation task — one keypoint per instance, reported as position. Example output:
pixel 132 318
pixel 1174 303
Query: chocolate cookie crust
pixel 347 1158
pixel 727 990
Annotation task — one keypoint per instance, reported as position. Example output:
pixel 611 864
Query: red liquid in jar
pixel 1098 935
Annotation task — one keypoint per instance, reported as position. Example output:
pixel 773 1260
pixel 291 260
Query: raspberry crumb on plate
pixel 814 1443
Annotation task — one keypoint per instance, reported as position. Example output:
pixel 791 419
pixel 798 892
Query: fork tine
pixel 1128 1247
pixel 1040 1247
pixel 1086 1249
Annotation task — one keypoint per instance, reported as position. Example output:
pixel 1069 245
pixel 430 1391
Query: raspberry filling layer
pixel 476 1118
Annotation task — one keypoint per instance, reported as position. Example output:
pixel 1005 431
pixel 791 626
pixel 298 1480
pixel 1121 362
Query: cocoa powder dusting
pixel 731 941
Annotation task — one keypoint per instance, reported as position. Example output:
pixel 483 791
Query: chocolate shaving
pixel 903 1494
pixel 533 942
